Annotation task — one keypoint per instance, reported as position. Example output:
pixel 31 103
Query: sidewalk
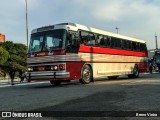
pixel 7 81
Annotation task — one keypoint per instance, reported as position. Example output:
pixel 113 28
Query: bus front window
pixel 36 44
pixel 55 40
pixel 48 41
pixel 52 43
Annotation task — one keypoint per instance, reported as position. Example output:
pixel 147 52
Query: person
pixel 25 76
pixel 21 76
pixel 12 74
pixel 150 61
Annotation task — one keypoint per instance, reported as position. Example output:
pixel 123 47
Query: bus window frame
pixel 88 34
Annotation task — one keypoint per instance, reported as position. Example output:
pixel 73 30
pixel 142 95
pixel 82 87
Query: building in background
pixel 2 38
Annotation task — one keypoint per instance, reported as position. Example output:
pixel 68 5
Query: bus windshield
pixel 48 41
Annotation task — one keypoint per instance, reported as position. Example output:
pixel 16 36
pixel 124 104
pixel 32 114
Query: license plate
pixel 41 68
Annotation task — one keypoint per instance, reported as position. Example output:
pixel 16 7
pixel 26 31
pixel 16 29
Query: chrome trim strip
pixel 44 64
pixel 62 73
pixel 48 74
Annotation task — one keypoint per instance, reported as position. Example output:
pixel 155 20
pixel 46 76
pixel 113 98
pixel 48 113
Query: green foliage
pixel 3 56
pixel 9 46
pixel 16 56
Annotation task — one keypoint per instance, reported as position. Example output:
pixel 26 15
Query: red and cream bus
pixel 70 51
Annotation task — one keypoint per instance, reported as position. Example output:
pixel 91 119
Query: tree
pixel 3 59
pixel 3 56
pixel 16 56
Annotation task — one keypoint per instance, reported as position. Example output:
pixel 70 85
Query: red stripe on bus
pixel 90 49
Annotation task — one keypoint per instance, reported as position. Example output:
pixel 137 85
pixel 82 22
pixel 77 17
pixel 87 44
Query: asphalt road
pixel 99 100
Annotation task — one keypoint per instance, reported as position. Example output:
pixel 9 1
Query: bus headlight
pixel 30 69
pixel 54 67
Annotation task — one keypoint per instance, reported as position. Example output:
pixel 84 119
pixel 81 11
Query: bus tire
pixel 135 72
pixel 112 77
pixel 55 82
pixel 86 75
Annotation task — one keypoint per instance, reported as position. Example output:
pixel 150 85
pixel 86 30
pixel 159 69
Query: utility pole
pixel 117 29
pixel 27 21
pixel 156 41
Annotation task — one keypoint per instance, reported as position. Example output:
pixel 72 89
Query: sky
pixel 134 18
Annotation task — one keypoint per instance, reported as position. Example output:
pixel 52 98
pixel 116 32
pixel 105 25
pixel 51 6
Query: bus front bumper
pixel 47 75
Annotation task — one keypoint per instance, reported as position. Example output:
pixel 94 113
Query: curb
pixel 8 81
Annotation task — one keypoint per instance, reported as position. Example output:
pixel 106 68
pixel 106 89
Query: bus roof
pixel 76 27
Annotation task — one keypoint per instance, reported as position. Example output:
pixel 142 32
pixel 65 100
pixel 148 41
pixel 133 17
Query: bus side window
pixel 143 47
pixel 108 41
pixel 112 42
pixel 129 45
pixel 88 38
pixel 73 44
pixel 96 39
pixel 116 43
pixel 84 37
pixel 99 38
pixel 102 42
pixel 124 44
pixel 138 46
pixel 133 45
pixel 91 40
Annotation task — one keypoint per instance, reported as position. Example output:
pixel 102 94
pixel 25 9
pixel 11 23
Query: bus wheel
pixel 112 77
pixel 55 82
pixel 135 72
pixel 86 75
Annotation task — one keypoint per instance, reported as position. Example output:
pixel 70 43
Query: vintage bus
pixel 70 51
